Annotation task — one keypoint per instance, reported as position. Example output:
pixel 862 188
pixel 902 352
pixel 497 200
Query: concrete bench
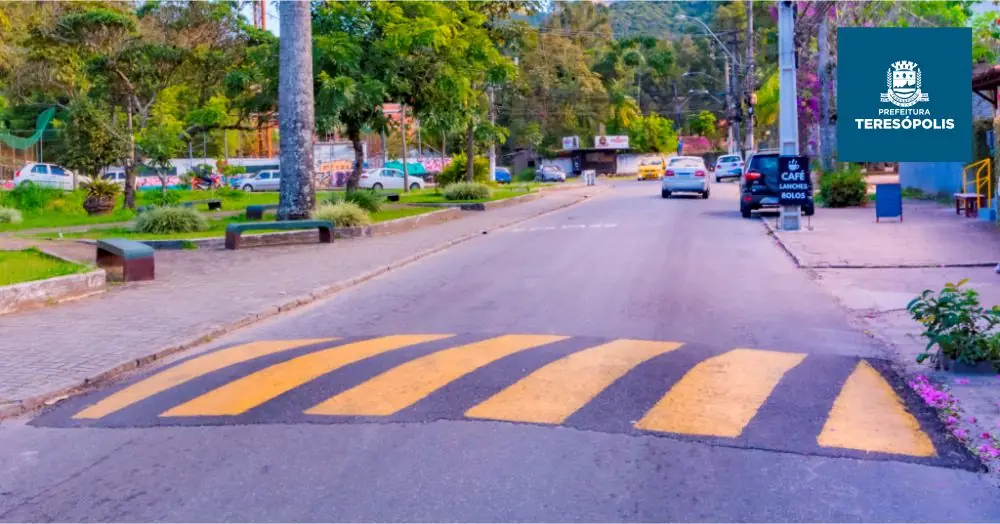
pixel 969 202
pixel 256 211
pixel 236 229
pixel 213 204
pixel 135 258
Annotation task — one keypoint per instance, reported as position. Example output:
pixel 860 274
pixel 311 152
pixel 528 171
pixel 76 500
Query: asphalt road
pixel 629 358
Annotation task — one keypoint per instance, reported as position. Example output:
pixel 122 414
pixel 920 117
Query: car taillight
pixel 751 176
pixel 699 173
pixel 17 173
pixel 669 172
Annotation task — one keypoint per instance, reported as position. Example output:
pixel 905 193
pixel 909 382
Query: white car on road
pixel 47 175
pixel 383 178
pixel 685 174
pixel 728 166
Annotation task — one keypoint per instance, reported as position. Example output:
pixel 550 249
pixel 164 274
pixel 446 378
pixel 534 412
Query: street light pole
pixel 751 86
pixel 729 110
pixel 788 110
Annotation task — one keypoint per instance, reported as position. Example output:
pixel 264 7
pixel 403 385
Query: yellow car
pixel 650 168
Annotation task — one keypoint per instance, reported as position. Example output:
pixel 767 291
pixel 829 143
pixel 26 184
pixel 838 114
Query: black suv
pixel 759 184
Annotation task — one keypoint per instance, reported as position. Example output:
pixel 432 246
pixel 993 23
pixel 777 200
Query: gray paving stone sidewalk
pixel 930 234
pixel 50 349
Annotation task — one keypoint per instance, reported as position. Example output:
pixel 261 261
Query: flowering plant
pixel 954 321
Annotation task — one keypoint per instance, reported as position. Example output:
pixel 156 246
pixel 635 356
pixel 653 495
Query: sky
pixel 272 15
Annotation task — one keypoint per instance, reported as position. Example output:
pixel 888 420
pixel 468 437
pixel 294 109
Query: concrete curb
pixel 798 261
pixel 23 406
pixel 40 293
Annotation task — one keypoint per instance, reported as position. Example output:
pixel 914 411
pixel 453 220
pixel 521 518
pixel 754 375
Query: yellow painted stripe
pixel 188 371
pixel 406 384
pixel 557 390
pixel 868 416
pixel 253 390
pixel 719 396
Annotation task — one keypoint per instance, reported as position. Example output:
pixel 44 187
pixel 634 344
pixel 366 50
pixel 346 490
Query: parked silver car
pixel 550 173
pixel 267 180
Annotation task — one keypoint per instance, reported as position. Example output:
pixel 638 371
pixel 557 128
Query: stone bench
pixel 235 230
pixel 213 204
pixel 256 211
pixel 135 258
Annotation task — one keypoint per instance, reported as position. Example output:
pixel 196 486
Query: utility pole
pixel 677 109
pixel 737 105
pixel 493 148
pixel 402 127
pixel 788 109
pixel 729 110
pixel 751 83
pixel 297 194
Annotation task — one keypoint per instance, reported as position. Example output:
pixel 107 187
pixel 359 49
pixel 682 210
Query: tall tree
pixel 297 193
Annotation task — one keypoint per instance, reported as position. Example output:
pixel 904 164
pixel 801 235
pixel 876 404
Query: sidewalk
pixel 205 293
pixel 875 270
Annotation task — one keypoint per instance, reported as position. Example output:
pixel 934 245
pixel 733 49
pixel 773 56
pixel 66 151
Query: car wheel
pixel 664 193
pixel 745 211
pixel 248 188
pixel 704 194
pixel 414 186
pixel 376 186
pixel 717 179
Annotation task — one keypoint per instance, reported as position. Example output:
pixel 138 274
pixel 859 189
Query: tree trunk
pixel 406 167
pixel 444 146
pixel 354 133
pixel 470 154
pixel 825 128
pixel 297 194
pixel 130 164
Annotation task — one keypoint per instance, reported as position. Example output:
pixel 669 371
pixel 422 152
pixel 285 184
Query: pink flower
pixel 961 433
pixel 985 435
pixel 951 420
pixel 972 420
pixel 961 381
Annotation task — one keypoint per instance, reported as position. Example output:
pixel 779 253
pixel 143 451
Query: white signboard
pixel 610 142
pixel 571 142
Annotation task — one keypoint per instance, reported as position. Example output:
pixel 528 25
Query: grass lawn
pixel 217 227
pixel 31 264
pixel 430 196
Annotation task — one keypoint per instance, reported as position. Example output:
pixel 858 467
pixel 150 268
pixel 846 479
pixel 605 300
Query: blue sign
pixel 903 94
pixel 888 201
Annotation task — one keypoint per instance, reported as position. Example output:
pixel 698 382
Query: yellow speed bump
pixel 869 416
pixel 253 390
pixel 188 371
pixel 557 390
pixel 720 396
pixel 406 384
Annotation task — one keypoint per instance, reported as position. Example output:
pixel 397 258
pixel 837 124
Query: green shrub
pixel 370 201
pixel 159 198
pixel 466 191
pixel 170 220
pixel 32 197
pixel 954 321
pixel 844 187
pixel 229 193
pixel 528 175
pixel 9 216
pixel 455 171
pixel 342 214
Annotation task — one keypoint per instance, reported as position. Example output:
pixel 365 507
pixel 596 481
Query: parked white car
pixel 550 173
pixel 383 178
pixel 47 175
pixel 116 176
pixel 267 180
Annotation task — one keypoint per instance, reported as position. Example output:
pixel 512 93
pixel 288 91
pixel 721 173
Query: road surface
pixel 629 358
